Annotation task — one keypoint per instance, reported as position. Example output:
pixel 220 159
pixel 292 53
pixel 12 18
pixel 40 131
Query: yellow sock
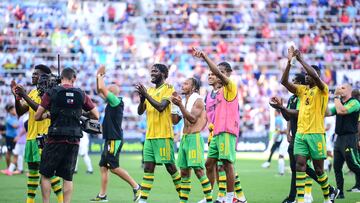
pixel 57 188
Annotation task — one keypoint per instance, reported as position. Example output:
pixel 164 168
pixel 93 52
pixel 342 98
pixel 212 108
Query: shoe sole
pixel 99 201
pixel 137 198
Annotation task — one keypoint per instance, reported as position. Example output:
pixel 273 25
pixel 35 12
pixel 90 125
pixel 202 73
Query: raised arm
pixel 100 84
pixel 213 67
pixel 285 77
pixel 310 71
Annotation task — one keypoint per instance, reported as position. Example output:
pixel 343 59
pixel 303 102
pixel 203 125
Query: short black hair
pixel 300 77
pixel 316 68
pixel 8 107
pixel 162 68
pixel 68 73
pixel 43 68
pixel 196 84
pixel 226 65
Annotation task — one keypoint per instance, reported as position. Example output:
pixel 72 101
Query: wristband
pixel 337 97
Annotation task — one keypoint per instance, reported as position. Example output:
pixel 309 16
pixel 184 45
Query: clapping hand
pixel 176 99
pixel 291 51
pixel 141 90
pixel 20 90
pixel 276 102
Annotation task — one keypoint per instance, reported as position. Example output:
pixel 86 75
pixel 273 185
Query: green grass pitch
pixel 260 185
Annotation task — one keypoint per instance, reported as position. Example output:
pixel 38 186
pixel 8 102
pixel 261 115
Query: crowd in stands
pixel 253 37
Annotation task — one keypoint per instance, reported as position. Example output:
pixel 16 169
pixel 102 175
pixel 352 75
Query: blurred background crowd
pixel 128 36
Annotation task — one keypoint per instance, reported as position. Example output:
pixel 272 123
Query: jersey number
pixel 307 101
pixel 320 147
pixel 222 147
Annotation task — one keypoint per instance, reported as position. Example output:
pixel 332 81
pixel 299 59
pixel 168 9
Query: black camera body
pixel 90 126
pixel 41 140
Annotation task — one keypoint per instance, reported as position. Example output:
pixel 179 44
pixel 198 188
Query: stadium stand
pixel 128 36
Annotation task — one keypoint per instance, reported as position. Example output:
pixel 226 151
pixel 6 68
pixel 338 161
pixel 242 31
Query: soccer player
pixel 226 125
pixel 210 104
pixel 159 144
pixel 191 150
pixel 113 136
pixel 310 135
pixel 347 111
pixel 30 103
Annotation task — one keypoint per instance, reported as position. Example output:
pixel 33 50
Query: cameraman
pixel 65 104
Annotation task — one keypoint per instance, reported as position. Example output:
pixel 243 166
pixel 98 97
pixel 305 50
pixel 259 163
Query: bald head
pixel 345 90
pixel 114 89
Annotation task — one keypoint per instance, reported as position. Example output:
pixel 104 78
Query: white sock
pixel 221 199
pixel 281 165
pixel 20 163
pixel 326 164
pixel 87 161
pixel 137 187
pixel 229 197
pixel 12 167
pixel 142 201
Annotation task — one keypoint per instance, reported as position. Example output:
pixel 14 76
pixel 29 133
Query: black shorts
pixel 111 153
pixel 59 159
pixel 10 144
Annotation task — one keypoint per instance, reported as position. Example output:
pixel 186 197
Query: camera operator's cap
pixel 8 107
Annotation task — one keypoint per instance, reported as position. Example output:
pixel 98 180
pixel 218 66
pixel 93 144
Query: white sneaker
pixel 328 201
pixel 266 165
pixel 202 201
pixel 354 189
pixel 308 198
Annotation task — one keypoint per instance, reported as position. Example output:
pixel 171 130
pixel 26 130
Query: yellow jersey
pixel 230 90
pixel 159 125
pixel 313 103
pixel 36 127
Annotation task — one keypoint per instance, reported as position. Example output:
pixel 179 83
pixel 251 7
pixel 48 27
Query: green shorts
pixel 32 151
pixel 311 145
pixel 222 147
pixel 159 151
pixel 191 151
